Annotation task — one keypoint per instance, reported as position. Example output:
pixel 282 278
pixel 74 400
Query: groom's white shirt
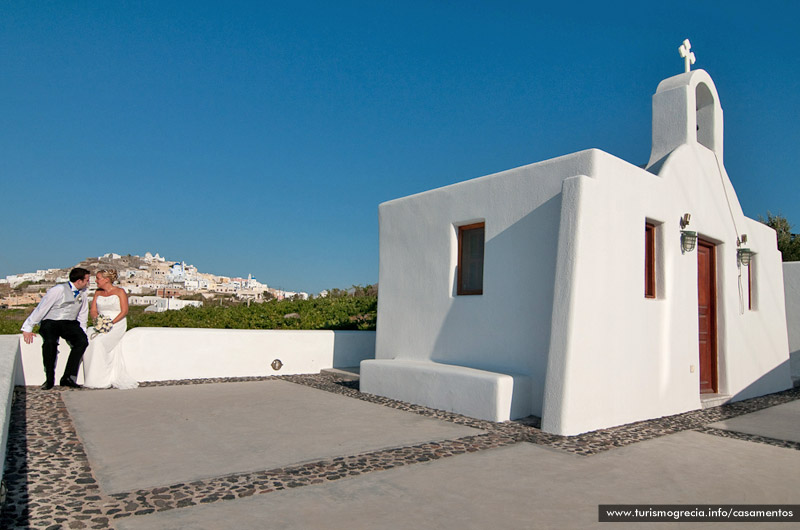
pixel 51 298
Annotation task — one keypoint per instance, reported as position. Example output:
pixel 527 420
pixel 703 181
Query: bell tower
pixel 686 110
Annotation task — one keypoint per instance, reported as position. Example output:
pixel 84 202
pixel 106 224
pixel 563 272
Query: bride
pixel 103 365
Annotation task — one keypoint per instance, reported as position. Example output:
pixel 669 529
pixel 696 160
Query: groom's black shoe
pixel 47 385
pixel 69 383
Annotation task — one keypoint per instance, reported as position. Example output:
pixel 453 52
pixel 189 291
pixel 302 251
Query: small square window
pixel 470 259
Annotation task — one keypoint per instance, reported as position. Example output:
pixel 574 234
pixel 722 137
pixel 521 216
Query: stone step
pixel 713 400
pixel 350 373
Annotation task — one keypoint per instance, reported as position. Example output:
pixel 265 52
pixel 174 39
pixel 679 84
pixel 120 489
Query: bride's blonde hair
pixel 111 274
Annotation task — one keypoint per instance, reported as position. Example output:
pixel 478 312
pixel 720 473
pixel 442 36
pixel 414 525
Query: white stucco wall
pixel 791 284
pixel 507 328
pixel 160 354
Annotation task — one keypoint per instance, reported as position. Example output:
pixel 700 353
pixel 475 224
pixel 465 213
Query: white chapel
pixel 585 290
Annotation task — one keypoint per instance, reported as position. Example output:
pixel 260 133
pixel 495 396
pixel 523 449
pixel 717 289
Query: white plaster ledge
pixel 9 364
pixel 475 393
pixel 160 354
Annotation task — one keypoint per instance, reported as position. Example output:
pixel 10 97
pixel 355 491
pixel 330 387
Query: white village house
pixel 573 289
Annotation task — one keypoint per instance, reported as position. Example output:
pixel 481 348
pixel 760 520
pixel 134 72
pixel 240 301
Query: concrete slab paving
pixel 156 436
pixel 393 465
pixel 781 422
pixel 518 487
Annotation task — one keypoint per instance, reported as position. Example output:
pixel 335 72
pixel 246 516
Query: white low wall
pixel 9 357
pixel 475 393
pixel 160 354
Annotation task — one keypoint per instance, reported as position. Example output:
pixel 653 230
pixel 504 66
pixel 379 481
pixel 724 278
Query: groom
pixel 62 312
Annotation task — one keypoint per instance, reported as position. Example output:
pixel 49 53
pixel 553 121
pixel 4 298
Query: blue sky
pixel 260 137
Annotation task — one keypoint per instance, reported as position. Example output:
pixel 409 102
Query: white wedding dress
pixel 103 365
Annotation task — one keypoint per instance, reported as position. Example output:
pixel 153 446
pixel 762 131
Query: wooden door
pixel 707 312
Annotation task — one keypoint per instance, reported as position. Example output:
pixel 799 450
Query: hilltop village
pixel 150 280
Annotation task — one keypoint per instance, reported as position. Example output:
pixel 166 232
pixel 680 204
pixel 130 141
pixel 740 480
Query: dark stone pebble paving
pixel 51 485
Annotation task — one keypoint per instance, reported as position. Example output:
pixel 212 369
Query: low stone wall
pixel 161 354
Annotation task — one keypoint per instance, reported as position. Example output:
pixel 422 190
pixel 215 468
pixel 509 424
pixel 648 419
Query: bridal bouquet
pixel 102 325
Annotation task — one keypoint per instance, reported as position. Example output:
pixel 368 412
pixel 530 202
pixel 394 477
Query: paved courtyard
pixel 313 452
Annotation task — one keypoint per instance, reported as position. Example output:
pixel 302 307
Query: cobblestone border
pixel 51 484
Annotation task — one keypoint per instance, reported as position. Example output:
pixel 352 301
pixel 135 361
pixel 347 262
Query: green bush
pixel 319 313
pixel 345 312
pixel 11 320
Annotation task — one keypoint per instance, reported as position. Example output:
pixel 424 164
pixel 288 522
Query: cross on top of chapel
pixel 688 56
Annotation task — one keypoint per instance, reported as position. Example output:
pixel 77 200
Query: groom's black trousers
pixel 69 330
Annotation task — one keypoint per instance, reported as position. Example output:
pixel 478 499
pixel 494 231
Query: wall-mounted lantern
pixel 688 237
pixel 688 240
pixel 744 255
